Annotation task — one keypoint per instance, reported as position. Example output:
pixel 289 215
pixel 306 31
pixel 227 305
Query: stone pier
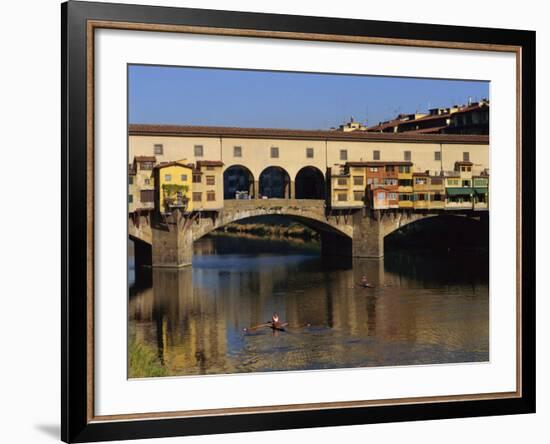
pixel 368 236
pixel 172 240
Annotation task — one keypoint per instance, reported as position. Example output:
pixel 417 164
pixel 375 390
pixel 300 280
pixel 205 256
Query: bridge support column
pixel 255 192
pixel 172 240
pixel 292 194
pixel 368 236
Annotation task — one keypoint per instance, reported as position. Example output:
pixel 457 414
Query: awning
pixel 479 190
pixel 466 191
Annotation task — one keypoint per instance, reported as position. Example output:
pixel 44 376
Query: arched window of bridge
pixel 310 183
pixel 275 183
pixel 238 181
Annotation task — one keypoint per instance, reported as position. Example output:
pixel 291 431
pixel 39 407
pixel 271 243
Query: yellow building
pixel 347 187
pixel 458 187
pixel 405 186
pixel 174 186
pixel 429 191
pixel 481 191
pixel 207 187
pixel 131 189
pixel 143 182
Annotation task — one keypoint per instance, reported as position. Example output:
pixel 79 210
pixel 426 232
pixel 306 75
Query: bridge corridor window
pixel 437 156
pixel 275 183
pixel 343 154
pixel 465 156
pixel 199 150
pixel 237 151
pixel 158 149
pixel 238 183
pixel 309 184
pixel 309 153
pixel 376 155
pixel 407 155
pixel 274 152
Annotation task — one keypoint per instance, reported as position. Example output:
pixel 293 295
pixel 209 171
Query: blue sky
pixel 203 96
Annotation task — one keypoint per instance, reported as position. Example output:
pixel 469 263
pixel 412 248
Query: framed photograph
pixel 276 221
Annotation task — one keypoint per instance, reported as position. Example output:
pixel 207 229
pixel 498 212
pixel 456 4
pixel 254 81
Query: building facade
pixel 348 169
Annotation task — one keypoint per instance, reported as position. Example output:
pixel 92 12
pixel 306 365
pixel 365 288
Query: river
pixel 426 308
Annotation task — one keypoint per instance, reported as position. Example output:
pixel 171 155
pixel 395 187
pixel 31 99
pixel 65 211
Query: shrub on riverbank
pixel 278 231
pixel 143 363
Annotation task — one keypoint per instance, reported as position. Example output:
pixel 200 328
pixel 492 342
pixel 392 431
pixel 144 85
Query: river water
pixel 426 308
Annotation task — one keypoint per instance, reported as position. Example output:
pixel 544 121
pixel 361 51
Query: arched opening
pixel 275 183
pixel 310 183
pixel 238 182
pixel 445 232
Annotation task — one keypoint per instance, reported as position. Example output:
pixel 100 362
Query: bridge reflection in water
pixel 425 309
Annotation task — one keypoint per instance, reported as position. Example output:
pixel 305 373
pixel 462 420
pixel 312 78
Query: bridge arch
pixel 309 183
pixel 238 178
pixel 435 229
pixel 274 182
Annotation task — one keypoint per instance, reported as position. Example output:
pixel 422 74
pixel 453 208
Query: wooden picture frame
pixel 79 22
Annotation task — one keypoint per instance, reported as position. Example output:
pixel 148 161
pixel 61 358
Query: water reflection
pixel 424 309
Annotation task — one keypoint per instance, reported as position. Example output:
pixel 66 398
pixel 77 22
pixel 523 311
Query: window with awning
pixel 465 191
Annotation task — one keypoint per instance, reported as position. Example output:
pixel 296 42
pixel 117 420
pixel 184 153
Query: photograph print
pixel 291 221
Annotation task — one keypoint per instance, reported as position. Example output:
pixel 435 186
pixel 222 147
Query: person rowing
pixel 365 283
pixel 275 324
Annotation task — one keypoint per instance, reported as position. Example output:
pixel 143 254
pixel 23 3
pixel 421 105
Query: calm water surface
pixel 426 308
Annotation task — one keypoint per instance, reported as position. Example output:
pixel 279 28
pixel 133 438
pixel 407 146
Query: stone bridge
pixel 167 241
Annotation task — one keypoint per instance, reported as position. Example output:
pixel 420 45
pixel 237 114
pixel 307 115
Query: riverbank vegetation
pixel 271 227
pixel 143 363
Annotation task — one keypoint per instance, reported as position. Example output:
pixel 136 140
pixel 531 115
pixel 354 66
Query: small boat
pixel 275 324
pixel 365 285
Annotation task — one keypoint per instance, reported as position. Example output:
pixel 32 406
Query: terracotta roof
pixel 168 164
pixel 384 125
pixel 431 117
pixel 378 163
pixel 470 108
pixel 432 130
pixel 209 163
pixel 145 159
pixel 221 131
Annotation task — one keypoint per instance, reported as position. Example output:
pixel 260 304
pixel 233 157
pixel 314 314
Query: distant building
pixel 464 119
pixel 472 119
pixel 352 125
